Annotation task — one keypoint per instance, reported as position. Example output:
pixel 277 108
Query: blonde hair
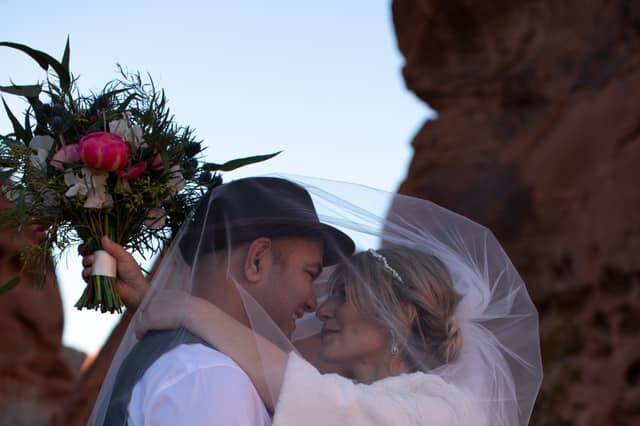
pixel 420 298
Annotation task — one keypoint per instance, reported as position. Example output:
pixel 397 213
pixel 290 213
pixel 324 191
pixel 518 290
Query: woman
pixel 435 327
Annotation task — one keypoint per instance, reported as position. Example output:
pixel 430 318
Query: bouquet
pixel 112 163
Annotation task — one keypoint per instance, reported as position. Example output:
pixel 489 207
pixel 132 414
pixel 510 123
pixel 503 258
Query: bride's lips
pixel 329 331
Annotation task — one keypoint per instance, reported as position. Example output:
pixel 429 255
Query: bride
pixel 433 327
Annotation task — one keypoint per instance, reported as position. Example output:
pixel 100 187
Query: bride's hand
pixel 166 310
pixel 131 284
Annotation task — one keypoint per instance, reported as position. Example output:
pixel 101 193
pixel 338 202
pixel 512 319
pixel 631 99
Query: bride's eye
pixel 340 292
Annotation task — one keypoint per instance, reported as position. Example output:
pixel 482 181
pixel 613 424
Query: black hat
pixel 250 208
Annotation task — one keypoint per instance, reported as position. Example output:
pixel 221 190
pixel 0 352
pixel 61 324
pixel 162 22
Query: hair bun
pixel 453 340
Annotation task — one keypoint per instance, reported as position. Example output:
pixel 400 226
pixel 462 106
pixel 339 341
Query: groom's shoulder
pixel 190 358
pixel 194 380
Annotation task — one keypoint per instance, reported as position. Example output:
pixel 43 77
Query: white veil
pixel 499 366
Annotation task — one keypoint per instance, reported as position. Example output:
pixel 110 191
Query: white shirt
pixel 314 399
pixel 196 385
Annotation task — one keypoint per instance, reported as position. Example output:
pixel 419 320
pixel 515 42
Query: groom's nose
pixel 311 303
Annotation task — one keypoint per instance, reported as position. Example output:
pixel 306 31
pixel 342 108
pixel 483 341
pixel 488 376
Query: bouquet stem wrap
pixel 100 293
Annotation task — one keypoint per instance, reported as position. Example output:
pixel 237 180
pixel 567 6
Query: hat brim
pixel 337 244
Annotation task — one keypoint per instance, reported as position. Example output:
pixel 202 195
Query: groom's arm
pixel 219 395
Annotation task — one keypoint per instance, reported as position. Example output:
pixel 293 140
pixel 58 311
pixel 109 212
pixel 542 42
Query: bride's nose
pixel 327 309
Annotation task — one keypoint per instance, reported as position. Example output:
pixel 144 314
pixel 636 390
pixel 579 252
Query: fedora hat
pixel 246 209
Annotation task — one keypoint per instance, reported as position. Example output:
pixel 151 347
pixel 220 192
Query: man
pixel 259 236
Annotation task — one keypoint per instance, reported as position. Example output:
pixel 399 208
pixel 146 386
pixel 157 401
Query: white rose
pixel 98 197
pixel 131 134
pixel 77 184
pixel 41 144
pixel 93 187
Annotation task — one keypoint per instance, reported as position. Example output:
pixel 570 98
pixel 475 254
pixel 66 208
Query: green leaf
pixel 30 91
pixel 27 126
pixel 20 205
pixel 19 131
pixel 11 142
pixel 45 61
pixel 123 107
pixel 9 284
pixel 65 56
pixel 237 163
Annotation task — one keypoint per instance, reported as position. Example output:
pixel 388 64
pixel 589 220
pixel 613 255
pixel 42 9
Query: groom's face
pixel 287 292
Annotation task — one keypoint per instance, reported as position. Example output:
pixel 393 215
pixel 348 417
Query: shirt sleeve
pixel 210 396
pixel 311 398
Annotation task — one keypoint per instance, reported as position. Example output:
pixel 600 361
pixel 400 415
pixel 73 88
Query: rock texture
pixel 36 373
pixel 41 381
pixel 538 137
pixel 76 409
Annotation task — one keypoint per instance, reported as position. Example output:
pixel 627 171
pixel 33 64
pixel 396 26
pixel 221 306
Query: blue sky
pixel 320 81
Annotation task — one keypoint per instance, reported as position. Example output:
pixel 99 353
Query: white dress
pixel 311 398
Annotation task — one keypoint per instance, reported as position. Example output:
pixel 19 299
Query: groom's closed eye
pixel 313 271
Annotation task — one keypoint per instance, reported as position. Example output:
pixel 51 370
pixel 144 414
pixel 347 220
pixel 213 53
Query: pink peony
pixel 133 172
pixel 104 151
pixel 68 154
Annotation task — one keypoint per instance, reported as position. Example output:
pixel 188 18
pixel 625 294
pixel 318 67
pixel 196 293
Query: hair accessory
pixel 385 264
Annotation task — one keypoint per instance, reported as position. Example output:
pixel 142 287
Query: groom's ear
pixel 259 260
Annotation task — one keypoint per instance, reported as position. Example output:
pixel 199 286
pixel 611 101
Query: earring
pixel 394 344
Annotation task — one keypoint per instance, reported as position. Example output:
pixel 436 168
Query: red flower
pixel 134 172
pixel 104 151
pixel 157 164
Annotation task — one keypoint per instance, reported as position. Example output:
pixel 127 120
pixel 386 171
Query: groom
pixel 279 246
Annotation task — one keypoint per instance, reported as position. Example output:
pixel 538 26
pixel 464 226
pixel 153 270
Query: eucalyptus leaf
pixel 13 282
pixel 237 163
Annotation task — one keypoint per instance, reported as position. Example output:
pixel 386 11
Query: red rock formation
pixel 538 137
pixel 77 408
pixel 40 379
pixel 35 376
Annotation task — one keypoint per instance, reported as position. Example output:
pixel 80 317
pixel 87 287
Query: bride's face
pixel 348 335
